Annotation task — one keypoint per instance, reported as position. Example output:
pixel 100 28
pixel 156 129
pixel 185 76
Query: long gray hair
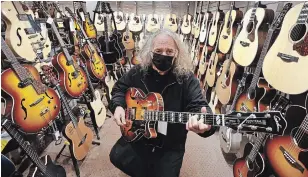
pixel 182 65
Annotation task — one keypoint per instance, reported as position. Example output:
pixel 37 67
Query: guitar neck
pixel 257 145
pixel 89 80
pixel 106 34
pixel 303 16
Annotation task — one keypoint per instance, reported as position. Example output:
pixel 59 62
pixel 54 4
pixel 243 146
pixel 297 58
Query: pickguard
pixel 302 46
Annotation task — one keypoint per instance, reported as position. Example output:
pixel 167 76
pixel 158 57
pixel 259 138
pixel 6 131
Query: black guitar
pixel 40 168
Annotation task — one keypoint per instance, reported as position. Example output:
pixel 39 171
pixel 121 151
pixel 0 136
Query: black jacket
pixel 183 95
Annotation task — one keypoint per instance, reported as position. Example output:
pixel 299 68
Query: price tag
pixel 49 20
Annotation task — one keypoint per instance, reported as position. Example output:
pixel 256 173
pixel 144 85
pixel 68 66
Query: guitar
pixel 141 122
pixel 196 17
pixel 260 93
pixel 205 25
pixel 198 23
pixel 23 35
pixel 186 25
pixel 170 20
pixel 46 168
pixel 119 18
pixel 142 37
pixel 212 67
pixel 232 18
pixel 226 83
pixel 97 17
pixel 214 103
pixel 59 14
pixel 96 65
pixel 8 165
pixel 153 23
pixel 109 81
pixel 34 104
pixel 79 135
pixel 127 38
pixel 87 23
pixel 192 50
pixel 251 38
pixel 285 64
pixel 216 26
pixel 134 58
pixel 134 23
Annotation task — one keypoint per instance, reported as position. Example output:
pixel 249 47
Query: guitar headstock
pixel 279 19
pixel 49 75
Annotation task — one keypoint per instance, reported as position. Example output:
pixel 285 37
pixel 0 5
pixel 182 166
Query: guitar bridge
pixel 224 36
pixel 37 101
pixel 244 44
pixel 287 58
pixel 291 160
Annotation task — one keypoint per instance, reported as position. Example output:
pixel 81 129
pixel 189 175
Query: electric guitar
pixel 134 23
pixel 34 104
pixel 215 27
pixel 252 36
pixel 205 25
pixel 87 23
pixel 232 18
pixel 45 168
pixel 119 18
pixel 141 122
pixel 127 38
pixel 285 64
pixel 153 23
pixel 186 25
pixel 97 17
pixel 170 20
pixel 23 35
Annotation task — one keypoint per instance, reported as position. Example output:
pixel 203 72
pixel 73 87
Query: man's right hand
pixel 119 116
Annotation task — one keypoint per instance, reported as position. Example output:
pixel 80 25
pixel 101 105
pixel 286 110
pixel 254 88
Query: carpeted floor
pixel 203 157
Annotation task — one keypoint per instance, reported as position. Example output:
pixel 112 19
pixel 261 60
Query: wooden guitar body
pixel 204 27
pixel 16 37
pixel 98 109
pixel 170 22
pixel 95 64
pixel 285 64
pixel 204 59
pixel 135 23
pixel 186 25
pixel 241 169
pixel 128 41
pixel 226 83
pixel 89 27
pixel 81 138
pixel 98 22
pixel 153 23
pixel 229 30
pixel 31 111
pixel 252 36
pixel 51 169
pixel 119 20
pixel 74 86
pixel 213 68
pixel 136 101
pixel 135 60
pixel 213 33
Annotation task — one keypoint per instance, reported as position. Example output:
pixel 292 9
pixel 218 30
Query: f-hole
pixel 298 32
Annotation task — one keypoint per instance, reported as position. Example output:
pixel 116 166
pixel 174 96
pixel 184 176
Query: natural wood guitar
pixel 170 20
pixel 205 25
pixel 127 38
pixel 153 22
pixel 215 30
pixel 186 25
pixel 285 64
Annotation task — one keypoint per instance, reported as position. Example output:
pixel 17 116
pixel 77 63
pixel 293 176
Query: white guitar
pixel 98 17
pixel 204 25
pixel 109 81
pixel 186 24
pixel 119 18
pixel 134 23
pixel 170 20
pixel 153 22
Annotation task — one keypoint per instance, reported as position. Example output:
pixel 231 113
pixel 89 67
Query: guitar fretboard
pixel 303 16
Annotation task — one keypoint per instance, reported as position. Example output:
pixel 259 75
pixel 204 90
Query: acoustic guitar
pixel 87 23
pixel 119 18
pixel 218 16
pixel 45 168
pixel 198 23
pixel 195 19
pixel 34 104
pixel 232 18
pixel 134 23
pixel 285 64
pixel 127 38
pixel 186 24
pixel 204 31
pixel 109 81
pixel 23 34
pixel 142 122
pixel 153 22
pixel 252 36
pixel 79 135
pixel 170 20
pixel 142 36
pixel 214 103
pixel 204 57
pixel 97 17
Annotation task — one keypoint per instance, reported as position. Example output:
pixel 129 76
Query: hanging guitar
pixel 215 30
pixel 205 25
pixel 119 18
pixel 134 23
pixel 87 23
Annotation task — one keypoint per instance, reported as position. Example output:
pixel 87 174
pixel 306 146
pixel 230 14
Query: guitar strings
pixel 299 134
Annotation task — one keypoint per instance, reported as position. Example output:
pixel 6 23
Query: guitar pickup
pixel 29 31
pixel 287 58
pixel 291 160
pixel 244 44
pixel 44 111
pixel 32 36
pixel 37 101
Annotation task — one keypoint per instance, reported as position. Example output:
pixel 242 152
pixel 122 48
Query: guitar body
pixel 81 138
pixel 95 64
pixel 119 20
pixel 136 100
pixel 170 22
pixel 214 104
pixel 213 68
pixel 213 33
pixel 30 110
pixel 134 58
pixel 142 40
pixel 98 109
pixel 114 50
pixel 241 169
pixel 8 165
pixel 204 60
pixel 153 23
pixel 75 87
pixel 110 83
pixel 252 36
pixel 186 25
pixel 229 30
pixel 89 27
pixel 128 40
pixel 226 83
pixel 279 68
pixel 204 26
pixel 135 23
pixel 16 37
pixel 52 169
pixel 98 22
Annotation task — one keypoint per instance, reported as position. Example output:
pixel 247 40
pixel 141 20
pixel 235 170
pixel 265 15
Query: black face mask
pixel 162 62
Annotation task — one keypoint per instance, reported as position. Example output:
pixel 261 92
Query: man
pixel 165 68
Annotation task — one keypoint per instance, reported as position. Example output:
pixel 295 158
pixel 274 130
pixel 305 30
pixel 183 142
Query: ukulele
pixel 127 38
pixel 23 34
pixel 34 104
pixel 79 135
pixel 285 64
pixel 232 18
pixel 215 27
pixel 87 23
pixel 205 25
pixel 144 110
pixel 252 36
pixel 153 24
pixel 41 167
pixel 186 24
pixel 134 22
pixel 170 20
pixel 119 18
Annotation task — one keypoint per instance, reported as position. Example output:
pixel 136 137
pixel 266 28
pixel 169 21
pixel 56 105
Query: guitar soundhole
pixel 249 27
pixel 300 137
pixel 298 32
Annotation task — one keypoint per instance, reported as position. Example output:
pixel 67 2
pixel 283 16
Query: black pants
pixel 139 160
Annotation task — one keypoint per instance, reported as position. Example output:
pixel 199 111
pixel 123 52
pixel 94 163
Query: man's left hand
pixel 197 126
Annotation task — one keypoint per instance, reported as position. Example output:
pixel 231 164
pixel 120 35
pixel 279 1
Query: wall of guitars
pixel 60 61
